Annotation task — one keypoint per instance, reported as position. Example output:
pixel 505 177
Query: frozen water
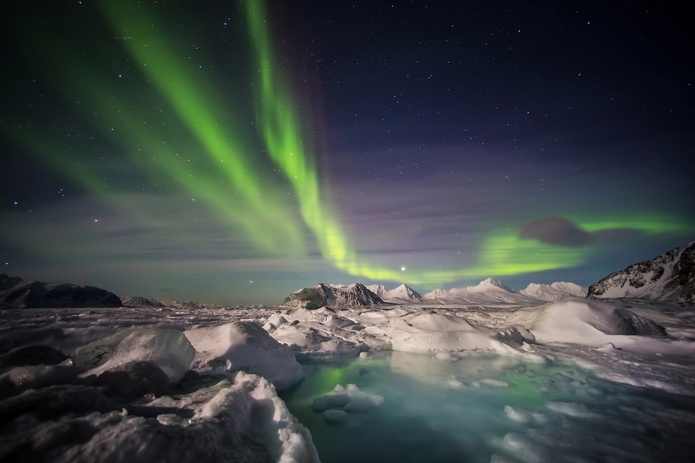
pixel 550 412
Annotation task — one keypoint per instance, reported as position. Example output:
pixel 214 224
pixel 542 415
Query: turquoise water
pixel 473 408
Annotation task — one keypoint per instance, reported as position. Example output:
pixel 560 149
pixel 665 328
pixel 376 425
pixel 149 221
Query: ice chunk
pixel 576 410
pixel 32 355
pixel 521 415
pixel 99 352
pixel 245 346
pixel 454 383
pixel 169 349
pixel 349 399
pixel 335 416
pixel 493 382
pixel 525 449
pixel 19 379
pixel 320 404
pixel 446 356
pixel 243 420
pixel 135 378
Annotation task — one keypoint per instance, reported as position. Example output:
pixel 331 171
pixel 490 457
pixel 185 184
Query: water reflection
pixel 482 408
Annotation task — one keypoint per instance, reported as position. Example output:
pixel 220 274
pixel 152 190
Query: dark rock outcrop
pixel 17 293
pixel 669 277
pixel 323 295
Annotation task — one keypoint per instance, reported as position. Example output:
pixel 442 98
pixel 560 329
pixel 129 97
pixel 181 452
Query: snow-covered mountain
pixel 140 301
pixel 554 291
pixel 402 293
pixel 379 290
pixel 670 276
pixel 487 291
pixel 17 293
pixel 332 295
pixel 491 291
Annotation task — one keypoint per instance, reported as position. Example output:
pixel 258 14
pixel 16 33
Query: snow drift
pixel 584 321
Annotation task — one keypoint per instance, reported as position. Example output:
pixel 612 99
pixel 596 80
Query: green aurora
pixel 272 208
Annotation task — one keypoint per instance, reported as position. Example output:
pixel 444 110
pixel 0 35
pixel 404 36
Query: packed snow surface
pixel 539 375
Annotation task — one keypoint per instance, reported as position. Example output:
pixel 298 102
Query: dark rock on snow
pixel 17 293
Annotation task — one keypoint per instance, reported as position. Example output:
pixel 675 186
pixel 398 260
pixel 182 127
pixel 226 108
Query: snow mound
pixel 584 321
pixel 440 332
pixel 135 378
pixel 245 346
pixel 168 349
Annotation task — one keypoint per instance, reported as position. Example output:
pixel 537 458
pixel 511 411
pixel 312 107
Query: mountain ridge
pixel 669 277
pixel 488 291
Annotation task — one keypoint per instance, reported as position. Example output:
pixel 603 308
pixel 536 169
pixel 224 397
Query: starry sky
pixel 235 151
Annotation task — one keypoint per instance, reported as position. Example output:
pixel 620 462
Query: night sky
pixel 235 151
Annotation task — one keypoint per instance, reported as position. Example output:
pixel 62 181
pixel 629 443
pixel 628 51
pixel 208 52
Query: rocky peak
pixel 670 276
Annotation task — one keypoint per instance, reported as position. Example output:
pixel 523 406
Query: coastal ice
pixel 533 375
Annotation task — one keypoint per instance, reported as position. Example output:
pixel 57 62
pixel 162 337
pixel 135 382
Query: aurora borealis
pixel 236 151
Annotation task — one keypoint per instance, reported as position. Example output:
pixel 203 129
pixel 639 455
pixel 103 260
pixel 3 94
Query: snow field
pixel 154 363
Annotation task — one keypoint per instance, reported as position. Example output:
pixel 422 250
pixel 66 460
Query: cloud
pixel 556 231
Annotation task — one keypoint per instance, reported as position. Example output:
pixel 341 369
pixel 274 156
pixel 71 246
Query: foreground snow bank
pixel 240 419
pixel 245 346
